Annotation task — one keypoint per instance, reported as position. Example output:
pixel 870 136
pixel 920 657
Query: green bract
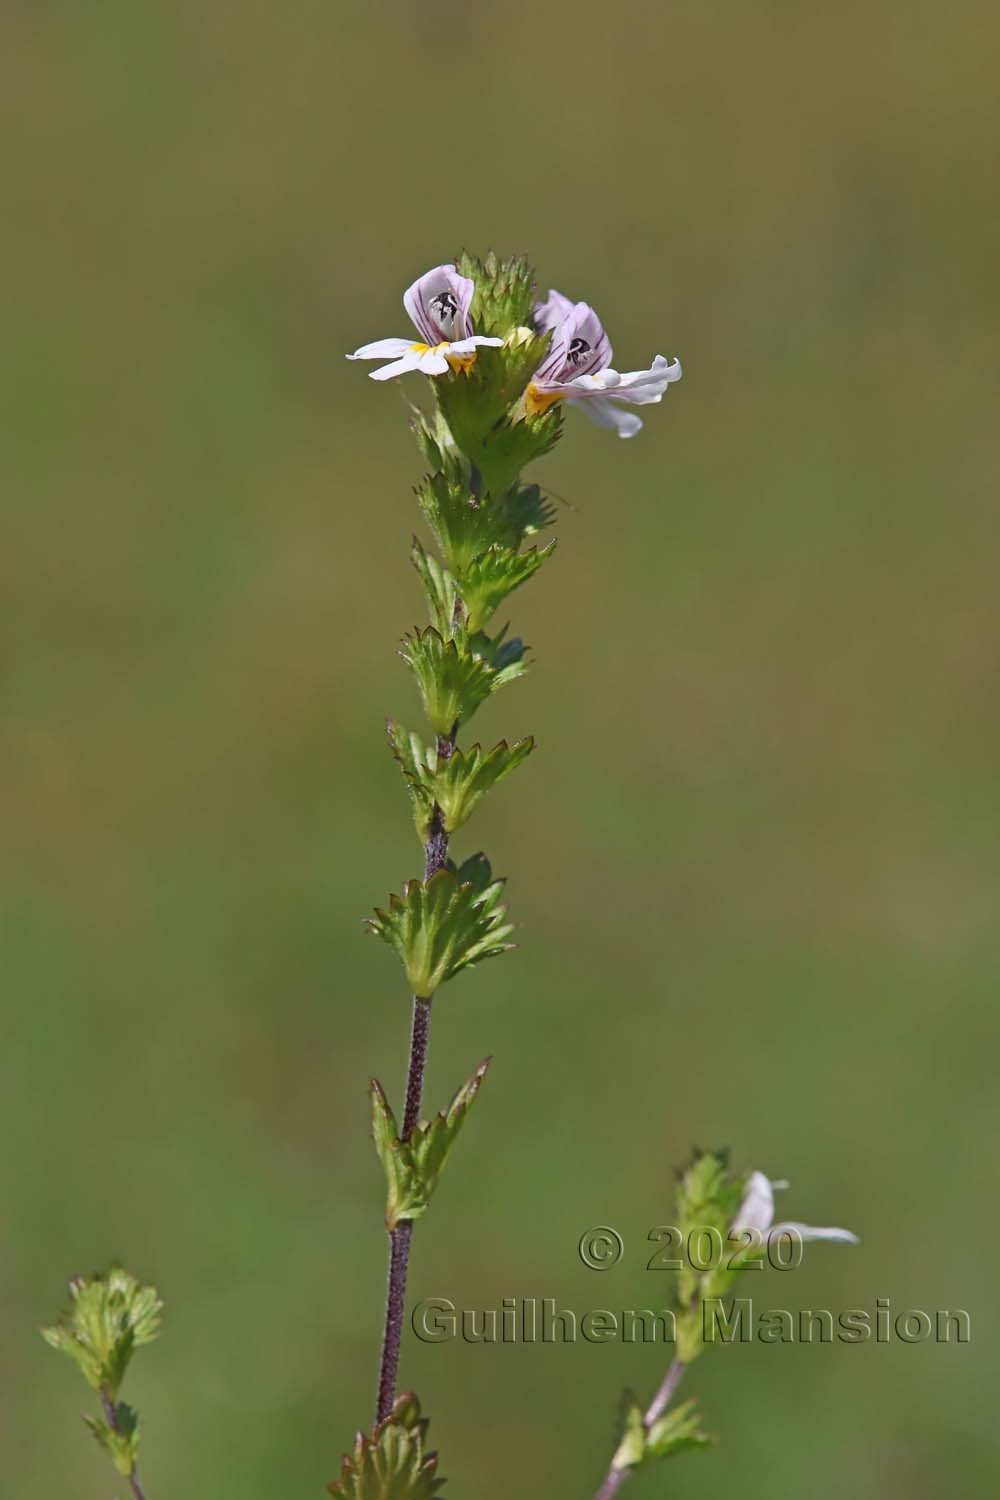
pixel 438 928
pixel 393 1463
pixel 413 1167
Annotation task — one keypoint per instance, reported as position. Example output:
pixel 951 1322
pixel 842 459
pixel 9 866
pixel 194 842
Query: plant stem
pixel 435 859
pixel 617 1477
pixel 399 1238
pixel 111 1417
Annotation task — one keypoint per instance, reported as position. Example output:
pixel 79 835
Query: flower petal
pixel 433 362
pixel 757 1209
pixel 644 386
pixel 811 1232
pixel 438 303
pixel 382 349
pixel 579 346
pixel 606 414
pixel 410 361
pixel 553 311
pixel 466 346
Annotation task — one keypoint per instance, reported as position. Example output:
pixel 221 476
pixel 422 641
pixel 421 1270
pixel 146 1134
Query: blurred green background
pixel 755 863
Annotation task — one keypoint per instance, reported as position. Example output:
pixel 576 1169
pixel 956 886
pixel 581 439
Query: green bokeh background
pixel 755 863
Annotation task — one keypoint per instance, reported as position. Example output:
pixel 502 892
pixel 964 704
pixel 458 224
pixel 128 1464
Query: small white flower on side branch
pixel 756 1213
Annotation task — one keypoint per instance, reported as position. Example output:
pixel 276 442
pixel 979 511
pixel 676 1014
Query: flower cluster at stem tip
pixel 574 363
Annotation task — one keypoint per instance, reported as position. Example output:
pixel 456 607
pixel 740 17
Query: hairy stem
pixel 111 1417
pixel 435 859
pixel 617 1477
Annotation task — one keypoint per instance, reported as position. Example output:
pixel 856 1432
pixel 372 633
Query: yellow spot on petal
pixel 536 401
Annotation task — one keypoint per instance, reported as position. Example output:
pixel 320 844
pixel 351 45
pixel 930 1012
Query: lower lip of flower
pixel 536 401
pixel 457 361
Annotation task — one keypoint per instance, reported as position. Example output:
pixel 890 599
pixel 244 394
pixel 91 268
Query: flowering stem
pixel 435 859
pixel 617 1477
pixel 111 1417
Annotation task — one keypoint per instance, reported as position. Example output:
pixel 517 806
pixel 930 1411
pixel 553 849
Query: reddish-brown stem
pixel 435 859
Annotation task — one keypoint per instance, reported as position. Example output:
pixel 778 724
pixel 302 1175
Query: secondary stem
pixel 617 1477
pixel 435 859
pixel 111 1417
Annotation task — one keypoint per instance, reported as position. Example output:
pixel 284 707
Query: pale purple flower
pixel 756 1212
pixel 438 305
pixel 578 368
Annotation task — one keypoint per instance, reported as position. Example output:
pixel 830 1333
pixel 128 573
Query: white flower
pixel 438 305
pixel 578 368
pixel 756 1212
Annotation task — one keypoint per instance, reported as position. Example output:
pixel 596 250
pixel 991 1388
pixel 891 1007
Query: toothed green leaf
pixel 677 1430
pixel 413 1168
pixel 461 521
pixel 674 1431
pixel 393 1462
pixel 459 784
pixel 632 1445
pixel 452 681
pixel 493 575
pixel 505 658
pixel 447 609
pixel 455 785
pixel 456 676
pixel 412 759
pixel 446 924
pixel 526 511
pixel 121 1442
pixel 438 446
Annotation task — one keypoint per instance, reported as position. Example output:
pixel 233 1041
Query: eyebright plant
pixel 501 366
